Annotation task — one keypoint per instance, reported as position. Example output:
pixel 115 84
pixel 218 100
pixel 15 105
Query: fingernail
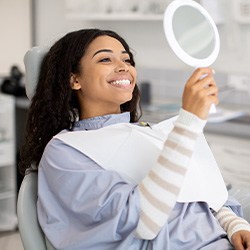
pixel 213 71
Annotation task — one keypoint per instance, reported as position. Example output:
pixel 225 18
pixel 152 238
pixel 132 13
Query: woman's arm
pixel 159 190
pixel 237 228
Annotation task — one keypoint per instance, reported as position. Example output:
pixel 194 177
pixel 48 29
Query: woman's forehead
pixel 104 43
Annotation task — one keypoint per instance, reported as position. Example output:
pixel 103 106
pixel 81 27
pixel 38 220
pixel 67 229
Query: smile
pixel 123 82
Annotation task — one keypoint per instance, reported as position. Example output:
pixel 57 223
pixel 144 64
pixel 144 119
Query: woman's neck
pixel 87 113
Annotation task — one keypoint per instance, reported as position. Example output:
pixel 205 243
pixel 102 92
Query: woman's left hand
pixel 241 240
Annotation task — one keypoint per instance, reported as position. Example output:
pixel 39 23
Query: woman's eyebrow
pixel 107 50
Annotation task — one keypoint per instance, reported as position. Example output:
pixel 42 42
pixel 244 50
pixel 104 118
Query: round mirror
pixel 191 33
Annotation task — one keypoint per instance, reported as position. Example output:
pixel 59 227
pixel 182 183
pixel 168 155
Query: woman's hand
pixel 200 93
pixel 241 240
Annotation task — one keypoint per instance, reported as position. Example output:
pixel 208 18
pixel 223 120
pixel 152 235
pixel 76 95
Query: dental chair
pixel 31 234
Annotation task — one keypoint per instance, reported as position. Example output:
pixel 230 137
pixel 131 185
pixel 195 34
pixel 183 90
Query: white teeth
pixel 121 82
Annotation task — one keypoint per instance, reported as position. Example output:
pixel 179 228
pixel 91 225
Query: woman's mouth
pixel 124 82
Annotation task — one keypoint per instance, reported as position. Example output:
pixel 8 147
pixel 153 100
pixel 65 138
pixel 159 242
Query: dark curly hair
pixel 54 106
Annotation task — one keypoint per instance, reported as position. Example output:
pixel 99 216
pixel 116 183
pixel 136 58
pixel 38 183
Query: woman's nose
pixel 121 66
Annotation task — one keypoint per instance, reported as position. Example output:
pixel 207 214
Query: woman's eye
pixel 127 60
pixel 106 59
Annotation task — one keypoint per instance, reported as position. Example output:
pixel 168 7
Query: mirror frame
pixel 169 33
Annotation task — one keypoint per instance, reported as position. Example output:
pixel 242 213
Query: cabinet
pixel 122 10
pixel 233 157
pixel 8 218
pixel 115 17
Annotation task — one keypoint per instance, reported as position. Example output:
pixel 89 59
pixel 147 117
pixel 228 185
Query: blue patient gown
pixel 83 206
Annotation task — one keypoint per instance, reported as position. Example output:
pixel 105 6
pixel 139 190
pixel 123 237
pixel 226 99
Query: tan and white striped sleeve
pixel 159 190
pixel 230 222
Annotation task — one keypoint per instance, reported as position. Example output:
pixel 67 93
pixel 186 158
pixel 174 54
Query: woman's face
pixel 107 78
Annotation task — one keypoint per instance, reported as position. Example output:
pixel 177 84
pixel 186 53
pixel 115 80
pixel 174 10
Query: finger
pixel 199 74
pixel 210 90
pixel 247 242
pixel 238 245
pixel 208 81
pixel 237 242
pixel 203 84
pixel 212 99
pixel 202 91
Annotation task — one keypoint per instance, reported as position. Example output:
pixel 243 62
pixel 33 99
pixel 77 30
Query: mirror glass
pixel 195 36
pixel 191 33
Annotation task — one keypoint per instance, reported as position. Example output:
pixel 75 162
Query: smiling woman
pixel 57 91
pixel 104 182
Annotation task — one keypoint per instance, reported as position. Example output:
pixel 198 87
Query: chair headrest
pixel 32 63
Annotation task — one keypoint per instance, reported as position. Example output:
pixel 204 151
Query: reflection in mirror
pixel 196 35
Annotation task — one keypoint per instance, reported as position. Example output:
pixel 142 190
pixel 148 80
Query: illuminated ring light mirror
pixel 191 34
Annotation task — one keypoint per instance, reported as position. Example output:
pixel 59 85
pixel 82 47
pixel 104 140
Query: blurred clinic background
pixel 27 23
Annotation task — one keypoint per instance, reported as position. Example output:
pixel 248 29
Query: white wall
pixel 15 33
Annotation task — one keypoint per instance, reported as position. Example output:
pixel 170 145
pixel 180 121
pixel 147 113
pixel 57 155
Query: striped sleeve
pixel 230 222
pixel 160 188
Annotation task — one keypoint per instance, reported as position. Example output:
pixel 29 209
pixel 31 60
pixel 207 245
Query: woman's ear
pixel 74 83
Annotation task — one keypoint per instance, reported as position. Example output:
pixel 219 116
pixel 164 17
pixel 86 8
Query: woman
pixel 85 204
